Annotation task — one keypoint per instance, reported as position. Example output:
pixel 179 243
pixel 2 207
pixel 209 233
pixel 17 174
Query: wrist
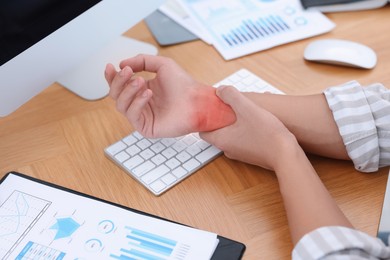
pixel 211 112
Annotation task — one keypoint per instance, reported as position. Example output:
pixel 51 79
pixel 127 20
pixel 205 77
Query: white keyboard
pixel 159 164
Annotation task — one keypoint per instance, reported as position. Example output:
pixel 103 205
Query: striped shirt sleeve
pixel 362 115
pixel 338 242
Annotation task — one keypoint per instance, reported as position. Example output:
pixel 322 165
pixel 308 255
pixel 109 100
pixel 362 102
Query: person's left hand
pixel 170 104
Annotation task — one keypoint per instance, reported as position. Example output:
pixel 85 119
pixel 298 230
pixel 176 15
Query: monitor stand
pixel 87 80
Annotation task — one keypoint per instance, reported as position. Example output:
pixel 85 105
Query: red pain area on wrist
pixel 211 112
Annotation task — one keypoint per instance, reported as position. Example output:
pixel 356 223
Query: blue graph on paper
pixel 64 227
pixel 18 214
pixel 146 245
pixel 36 251
pixel 245 20
pixel 249 30
pixel 240 27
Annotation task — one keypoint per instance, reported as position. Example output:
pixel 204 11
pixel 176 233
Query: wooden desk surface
pixel 60 138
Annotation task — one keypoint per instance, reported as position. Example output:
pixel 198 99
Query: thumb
pixel 232 97
pixel 228 94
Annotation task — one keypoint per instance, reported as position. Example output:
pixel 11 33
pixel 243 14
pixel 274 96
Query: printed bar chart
pixel 150 246
pixel 254 29
pixel 36 251
pixel 240 27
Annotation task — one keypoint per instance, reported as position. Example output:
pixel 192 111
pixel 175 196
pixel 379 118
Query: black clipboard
pixel 227 249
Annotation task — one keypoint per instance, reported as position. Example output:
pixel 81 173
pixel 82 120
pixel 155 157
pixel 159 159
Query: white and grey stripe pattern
pixel 339 243
pixel 362 115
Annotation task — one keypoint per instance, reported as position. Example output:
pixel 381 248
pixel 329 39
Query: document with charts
pixel 241 27
pixel 38 221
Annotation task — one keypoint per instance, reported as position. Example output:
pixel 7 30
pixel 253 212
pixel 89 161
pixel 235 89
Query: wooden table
pixel 60 138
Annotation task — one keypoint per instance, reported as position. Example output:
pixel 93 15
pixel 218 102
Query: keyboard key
pixel 133 162
pixel 179 146
pixel 154 140
pixel 207 154
pixel 179 172
pixel 157 147
pixel 193 150
pixel 168 179
pixel 249 81
pixel 130 140
pixel 191 164
pixel 158 186
pixel 243 73
pixel 183 156
pixel 116 148
pixel 202 144
pixel 168 141
pixel 188 140
pixel 122 156
pixel 159 164
pixel 169 152
pixel 133 150
pixel 147 154
pixel 158 159
pixel 143 168
pixel 234 78
pixel 173 163
pixel 155 174
pixel 138 135
pixel 144 143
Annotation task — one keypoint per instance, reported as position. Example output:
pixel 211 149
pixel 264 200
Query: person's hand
pixel 257 137
pixel 171 104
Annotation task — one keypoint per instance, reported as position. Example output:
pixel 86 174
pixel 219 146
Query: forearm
pixel 307 202
pixel 309 119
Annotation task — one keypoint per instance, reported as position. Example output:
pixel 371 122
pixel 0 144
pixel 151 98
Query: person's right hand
pixel 170 104
pixel 257 137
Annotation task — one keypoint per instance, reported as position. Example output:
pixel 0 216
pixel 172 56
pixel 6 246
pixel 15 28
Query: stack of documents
pixel 240 27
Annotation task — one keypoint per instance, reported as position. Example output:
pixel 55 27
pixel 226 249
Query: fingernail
pixel 219 89
pixel 124 71
pixel 134 83
pixel 145 94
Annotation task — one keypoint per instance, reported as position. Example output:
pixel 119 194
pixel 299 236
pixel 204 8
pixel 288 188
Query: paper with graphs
pixel 241 27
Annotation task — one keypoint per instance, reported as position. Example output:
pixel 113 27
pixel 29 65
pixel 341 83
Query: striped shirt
pixel 339 243
pixel 362 115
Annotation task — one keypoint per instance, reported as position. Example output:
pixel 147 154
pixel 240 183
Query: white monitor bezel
pixel 42 64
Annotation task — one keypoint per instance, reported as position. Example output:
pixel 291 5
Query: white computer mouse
pixel 341 52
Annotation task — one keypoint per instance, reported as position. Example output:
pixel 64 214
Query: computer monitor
pixel 44 41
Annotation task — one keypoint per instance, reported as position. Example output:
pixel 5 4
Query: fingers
pixel 143 62
pixel 228 94
pixel 109 73
pixel 118 82
pixel 136 110
pixel 210 137
pixel 237 101
pixel 232 97
pixel 129 94
pixel 240 105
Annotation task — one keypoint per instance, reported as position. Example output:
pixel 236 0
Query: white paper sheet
pixel 36 219
pixel 176 12
pixel 240 27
